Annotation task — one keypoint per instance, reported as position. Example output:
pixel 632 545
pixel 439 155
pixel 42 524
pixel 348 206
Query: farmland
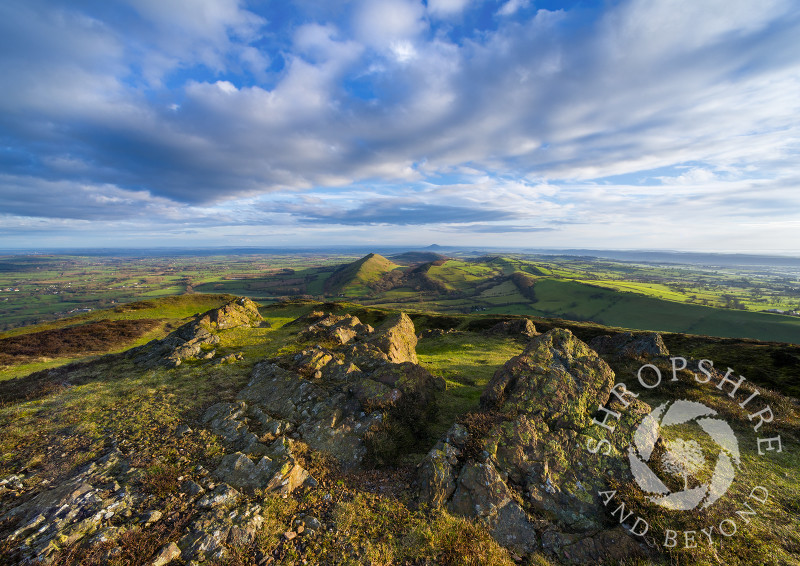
pixel 716 300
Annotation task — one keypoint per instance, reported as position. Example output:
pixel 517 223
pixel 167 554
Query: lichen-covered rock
pixel 196 339
pixel 337 329
pixel 366 356
pixel 312 361
pixel 437 481
pixel 374 395
pixel 239 312
pixel 78 508
pixel 209 534
pixel 482 493
pixel 557 377
pixel 629 345
pixel 531 472
pixel 333 398
pixel 397 339
pixel 325 415
pixel 277 471
pixel 614 545
pixel 516 327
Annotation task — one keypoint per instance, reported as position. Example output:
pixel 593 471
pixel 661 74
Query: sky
pixel 629 124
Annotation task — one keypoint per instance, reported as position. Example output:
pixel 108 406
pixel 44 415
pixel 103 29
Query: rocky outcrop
pixel 516 327
pixel 630 345
pixel 104 500
pixel 196 339
pixel 329 397
pixel 528 474
pixel 397 339
pixel 78 508
pixel 337 329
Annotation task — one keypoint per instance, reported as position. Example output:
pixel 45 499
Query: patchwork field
pixel 722 301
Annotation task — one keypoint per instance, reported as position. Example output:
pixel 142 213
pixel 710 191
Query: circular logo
pixel 706 468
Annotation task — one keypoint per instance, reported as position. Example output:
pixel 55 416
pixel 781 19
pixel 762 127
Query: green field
pixel 716 301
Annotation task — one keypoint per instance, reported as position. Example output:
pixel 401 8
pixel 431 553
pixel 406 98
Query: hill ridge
pixel 356 276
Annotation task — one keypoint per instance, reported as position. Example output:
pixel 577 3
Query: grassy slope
pixel 114 399
pixel 570 299
pixel 352 279
pixel 169 312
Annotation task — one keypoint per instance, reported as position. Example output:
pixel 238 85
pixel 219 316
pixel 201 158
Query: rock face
pixel 330 397
pixel 528 474
pixel 196 339
pixel 79 507
pixel 86 507
pixel 629 345
pixel 521 326
pixel 397 339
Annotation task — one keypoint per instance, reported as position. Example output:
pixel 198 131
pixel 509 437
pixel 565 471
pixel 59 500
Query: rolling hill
pixel 503 285
pixel 353 279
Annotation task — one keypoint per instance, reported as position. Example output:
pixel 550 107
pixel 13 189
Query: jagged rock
pixel 277 472
pixel 521 326
pixel 229 420
pixel 344 371
pixel 338 329
pixel 240 471
pixel 629 345
pixel 329 420
pixel 573 548
pixel 397 339
pixel 236 313
pixel 535 452
pixel 366 356
pixel 210 533
pixel 77 508
pixel 436 478
pixel 192 488
pixel 332 398
pixel 167 554
pixel 196 338
pixel 375 396
pixel 313 360
pixel 222 496
pixel 482 493
pixel 557 377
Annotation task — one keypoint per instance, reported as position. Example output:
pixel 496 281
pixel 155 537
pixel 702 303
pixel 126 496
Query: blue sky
pixel 657 124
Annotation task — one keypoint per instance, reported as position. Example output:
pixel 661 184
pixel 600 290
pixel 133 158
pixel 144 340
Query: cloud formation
pixel 459 113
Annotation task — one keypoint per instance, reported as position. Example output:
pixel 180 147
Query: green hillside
pixel 353 279
pixel 579 301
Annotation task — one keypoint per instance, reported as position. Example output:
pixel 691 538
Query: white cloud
pixel 447 8
pixel 703 88
pixel 208 32
pixel 511 7
pixel 380 23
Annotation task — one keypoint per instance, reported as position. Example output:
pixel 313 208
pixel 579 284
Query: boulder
pixel 630 345
pixel 195 339
pixel 520 326
pixel 527 471
pixel 336 329
pixel 238 312
pixel 557 377
pixel 335 398
pixel 397 339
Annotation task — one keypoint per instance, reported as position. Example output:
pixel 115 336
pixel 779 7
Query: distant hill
pixel 413 258
pixel 355 278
